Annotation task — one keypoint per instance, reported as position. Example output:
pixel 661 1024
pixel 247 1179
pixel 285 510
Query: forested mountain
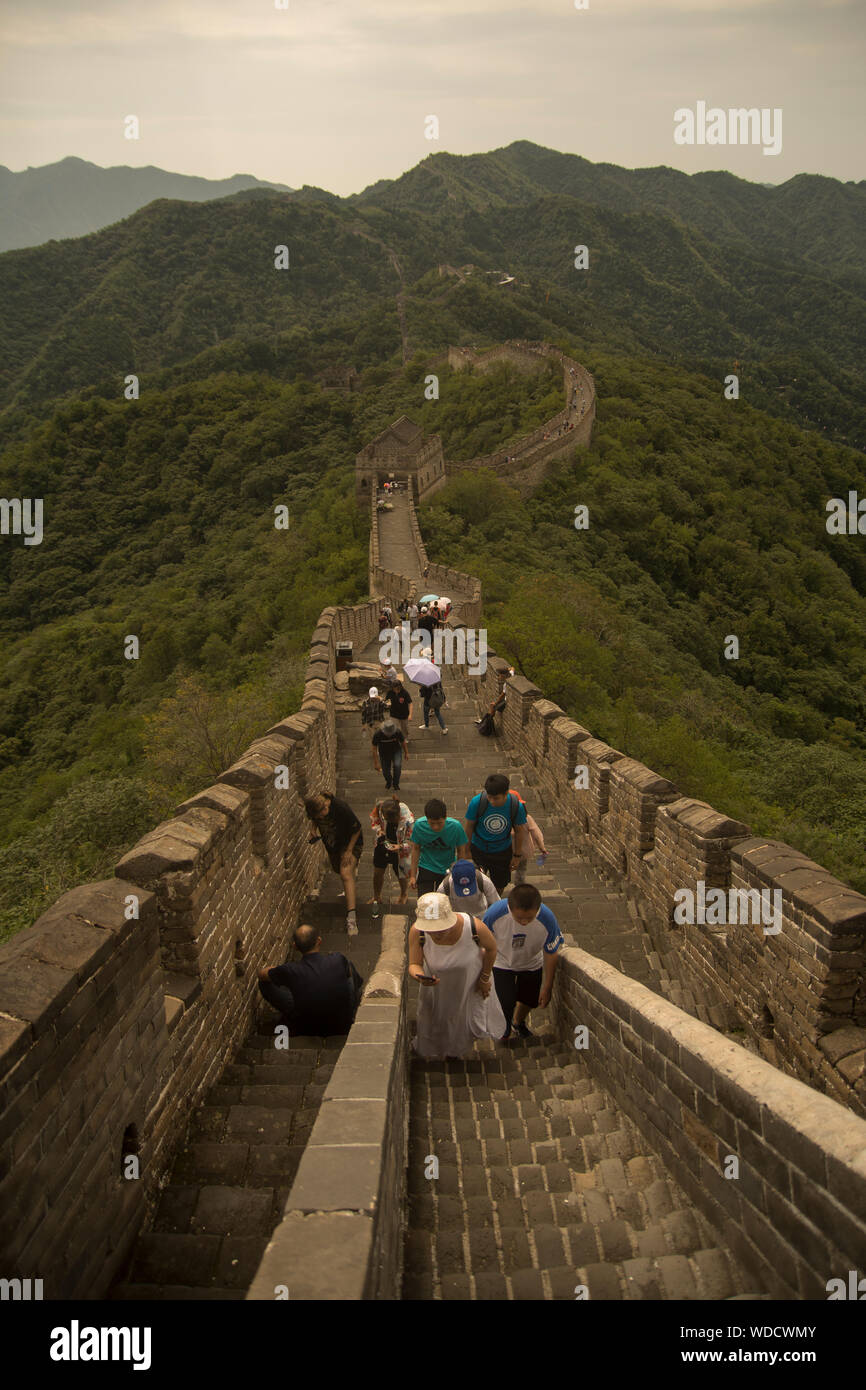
pixel 178 280
pixel 707 515
pixel 74 197
pixel 810 219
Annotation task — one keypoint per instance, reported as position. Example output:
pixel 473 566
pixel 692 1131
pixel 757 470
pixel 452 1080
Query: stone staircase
pixel 232 1176
pixel 544 1185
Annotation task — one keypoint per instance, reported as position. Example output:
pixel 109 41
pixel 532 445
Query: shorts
pixel 517 987
pixel 428 881
pixel 382 857
pixel 335 855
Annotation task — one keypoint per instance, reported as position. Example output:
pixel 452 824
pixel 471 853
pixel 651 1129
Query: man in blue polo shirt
pixel 528 942
pixel 490 818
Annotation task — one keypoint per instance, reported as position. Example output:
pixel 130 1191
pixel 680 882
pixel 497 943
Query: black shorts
pixel 517 987
pixel 335 855
pixel 428 881
pixel 382 857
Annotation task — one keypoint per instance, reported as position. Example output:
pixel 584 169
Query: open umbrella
pixel 444 603
pixel 429 598
pixel 422 672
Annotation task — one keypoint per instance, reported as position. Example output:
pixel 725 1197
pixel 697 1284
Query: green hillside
pixel 707 515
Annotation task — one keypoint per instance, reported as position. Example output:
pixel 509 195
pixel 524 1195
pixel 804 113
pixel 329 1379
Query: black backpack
pixel 472 928
pixel 436 698
pixel 487 726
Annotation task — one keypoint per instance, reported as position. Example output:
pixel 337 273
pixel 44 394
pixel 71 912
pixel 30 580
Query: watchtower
pixel 400 451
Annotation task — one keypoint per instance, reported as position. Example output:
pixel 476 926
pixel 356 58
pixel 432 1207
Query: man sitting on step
pixel 528 941
pixel 317 995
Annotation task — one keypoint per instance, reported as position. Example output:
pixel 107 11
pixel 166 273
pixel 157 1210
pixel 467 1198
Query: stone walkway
pixel 543 1184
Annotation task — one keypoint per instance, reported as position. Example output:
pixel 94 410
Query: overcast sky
pixel 335 92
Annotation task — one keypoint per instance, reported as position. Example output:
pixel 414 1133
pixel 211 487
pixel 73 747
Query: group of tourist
pixel 483 962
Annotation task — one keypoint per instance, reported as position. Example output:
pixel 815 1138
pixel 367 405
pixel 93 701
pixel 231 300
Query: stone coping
pixel 329 1243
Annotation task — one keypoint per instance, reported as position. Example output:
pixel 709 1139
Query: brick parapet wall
pixel 107 1023
pixel 795 1210
pixel 523 463
pixel 791 991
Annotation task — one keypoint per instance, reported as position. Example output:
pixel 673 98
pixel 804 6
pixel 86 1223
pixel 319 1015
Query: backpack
pixel 472 928
pixel 512 807
pixel 372 710
pixel 436 698
pixel 487 726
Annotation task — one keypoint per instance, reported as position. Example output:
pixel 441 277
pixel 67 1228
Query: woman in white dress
pixel 452 954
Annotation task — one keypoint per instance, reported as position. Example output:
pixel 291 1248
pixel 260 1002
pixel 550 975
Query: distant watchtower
pixel 401 451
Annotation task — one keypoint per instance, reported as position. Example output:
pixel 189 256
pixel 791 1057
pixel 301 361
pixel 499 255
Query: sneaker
pixel 422 726
pixel 444 731
pixel 506 1036
pixel 351 926
pixel 521 1030
pixel 377 908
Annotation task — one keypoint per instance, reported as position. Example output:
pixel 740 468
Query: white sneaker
pixel 422 726
pixel 351 927
pixel 444 731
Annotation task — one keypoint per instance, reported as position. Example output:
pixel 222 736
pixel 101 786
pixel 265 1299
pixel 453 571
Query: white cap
pixel 373 692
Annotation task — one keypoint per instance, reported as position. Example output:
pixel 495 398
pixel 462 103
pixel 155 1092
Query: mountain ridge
pixel 74 197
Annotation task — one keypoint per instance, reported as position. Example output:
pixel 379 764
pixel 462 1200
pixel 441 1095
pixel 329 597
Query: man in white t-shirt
pixel 528 942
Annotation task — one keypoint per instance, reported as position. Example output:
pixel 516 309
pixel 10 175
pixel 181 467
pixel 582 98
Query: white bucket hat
pixel 434 913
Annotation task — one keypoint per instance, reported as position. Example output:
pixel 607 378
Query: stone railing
pixel 799 993
pixel 122 1003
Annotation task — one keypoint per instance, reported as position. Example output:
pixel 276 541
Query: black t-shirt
pixel 325 989
pixel 399 701
pixel 388 743
pixel 339 826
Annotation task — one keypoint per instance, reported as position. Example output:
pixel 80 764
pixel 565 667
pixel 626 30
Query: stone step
pixel 541 1175
pixel 232 1175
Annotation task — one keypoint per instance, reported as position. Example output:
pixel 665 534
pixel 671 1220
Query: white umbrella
pixel 444 602
pixel 422 672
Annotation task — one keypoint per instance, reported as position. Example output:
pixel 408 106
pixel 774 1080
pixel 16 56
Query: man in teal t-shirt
pixel 437 840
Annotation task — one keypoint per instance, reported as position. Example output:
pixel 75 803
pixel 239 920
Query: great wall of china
pixel 128 1015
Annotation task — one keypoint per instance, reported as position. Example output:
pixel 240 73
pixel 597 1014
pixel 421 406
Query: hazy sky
pixel 335 92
